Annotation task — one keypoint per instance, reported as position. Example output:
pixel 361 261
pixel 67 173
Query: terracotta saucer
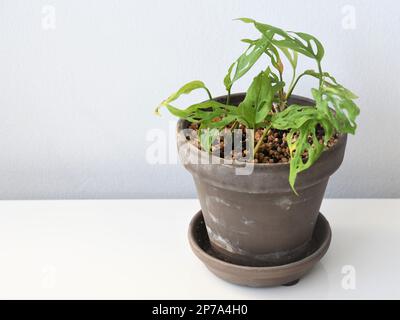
pixel 288 274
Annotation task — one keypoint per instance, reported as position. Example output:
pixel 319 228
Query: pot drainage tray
pixel 264 276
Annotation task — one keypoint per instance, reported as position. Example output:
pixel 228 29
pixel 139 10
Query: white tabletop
pixel 138 249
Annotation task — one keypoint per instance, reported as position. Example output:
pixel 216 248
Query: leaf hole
pixel 314 47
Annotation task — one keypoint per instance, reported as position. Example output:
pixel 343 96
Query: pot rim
pixel 237 163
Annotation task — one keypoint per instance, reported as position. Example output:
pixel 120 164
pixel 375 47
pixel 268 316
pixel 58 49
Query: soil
pixel 274 148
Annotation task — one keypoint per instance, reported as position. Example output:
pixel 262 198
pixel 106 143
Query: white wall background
pixel 77 100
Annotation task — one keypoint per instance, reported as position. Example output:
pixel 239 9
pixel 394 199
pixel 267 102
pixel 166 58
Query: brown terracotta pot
pixel 257 219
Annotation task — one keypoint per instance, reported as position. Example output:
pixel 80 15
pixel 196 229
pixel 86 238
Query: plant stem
pixel 228 99
pixel 251 140
pixel 281 94
pixel 292 83
pixel 235 123
pixel 291 88
pixel 320 74
pixel 209 93
pixel 261 140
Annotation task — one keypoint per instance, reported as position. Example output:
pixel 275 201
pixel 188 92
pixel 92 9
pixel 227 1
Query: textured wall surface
pixel 79 81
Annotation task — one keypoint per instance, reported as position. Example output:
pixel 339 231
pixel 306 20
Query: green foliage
pixel 256 107
pixel 244 63
pixel 266 102
pixel 300 42
pixel 302 122
pixel 186 89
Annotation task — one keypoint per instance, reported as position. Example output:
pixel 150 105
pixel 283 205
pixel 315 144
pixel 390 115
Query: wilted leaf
pixel 302 121
pixel 186 89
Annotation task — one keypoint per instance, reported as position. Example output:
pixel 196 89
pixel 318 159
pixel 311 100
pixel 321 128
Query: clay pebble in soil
pixel 273 149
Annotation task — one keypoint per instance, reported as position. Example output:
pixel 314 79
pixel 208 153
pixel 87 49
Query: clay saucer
pixel 268 276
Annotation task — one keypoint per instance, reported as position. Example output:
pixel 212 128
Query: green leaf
pixel 271 51
pixel 333 95
pixel 300 42
pixel 253 110
pixel 208 137
pixel 298 141
pixel 199 111
pixel 318 52
pixel 331 84
pixel 210 123
pixel 244 63
pixel 339 90
pixel 203 112
pixel 186 89
pixel 346 111
pixel 294 116
pixel 273 54
pixel 248 41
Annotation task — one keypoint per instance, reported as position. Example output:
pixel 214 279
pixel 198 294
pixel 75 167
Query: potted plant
pixel 261 160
